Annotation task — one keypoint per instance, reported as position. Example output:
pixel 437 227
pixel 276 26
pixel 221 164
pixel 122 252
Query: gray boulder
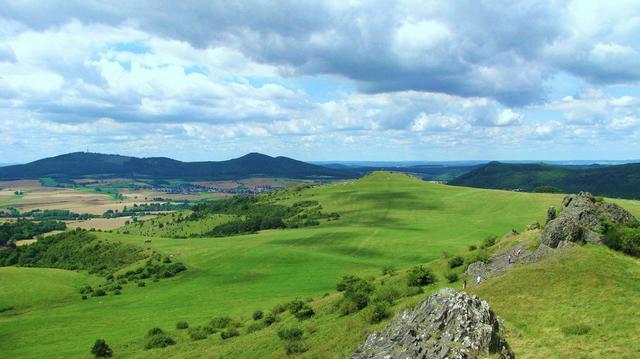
pixel 448 324
pixel 580 220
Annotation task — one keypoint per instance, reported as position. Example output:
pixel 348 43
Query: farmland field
pixel 386 220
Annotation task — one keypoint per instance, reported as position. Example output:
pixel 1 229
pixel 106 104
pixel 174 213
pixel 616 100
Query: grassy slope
pixel 386 220
pixel 591 285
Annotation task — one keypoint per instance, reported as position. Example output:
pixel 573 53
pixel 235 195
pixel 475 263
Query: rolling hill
pixel 386 220
pixel 79 164
pixel 621 181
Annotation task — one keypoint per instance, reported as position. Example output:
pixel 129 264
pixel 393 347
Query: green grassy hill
pixel 621 181
pixel 386 220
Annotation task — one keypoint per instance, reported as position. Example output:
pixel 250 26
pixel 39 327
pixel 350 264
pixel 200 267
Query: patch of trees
pixel 146 209
pixel 254 214
pixel 26 229
pixel 73 250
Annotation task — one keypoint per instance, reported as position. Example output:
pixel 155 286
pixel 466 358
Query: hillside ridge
pixel 78 164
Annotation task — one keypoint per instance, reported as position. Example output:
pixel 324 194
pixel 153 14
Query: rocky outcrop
pixel 580 219
pixel 448 324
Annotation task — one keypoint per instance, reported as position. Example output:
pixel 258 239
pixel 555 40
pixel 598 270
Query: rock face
pixel 580 218
pixel 447 325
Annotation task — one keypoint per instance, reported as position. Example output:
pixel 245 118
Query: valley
pixel 386 220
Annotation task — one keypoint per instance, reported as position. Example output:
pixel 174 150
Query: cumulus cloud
pixel 224 77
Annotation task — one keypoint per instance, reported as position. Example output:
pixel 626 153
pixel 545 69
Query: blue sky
pixel 330 80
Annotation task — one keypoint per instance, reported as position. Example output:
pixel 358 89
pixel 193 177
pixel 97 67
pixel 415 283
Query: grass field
pixel 386 220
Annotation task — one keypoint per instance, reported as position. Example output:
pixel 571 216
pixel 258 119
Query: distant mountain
pixel 79 164
pixel 613 181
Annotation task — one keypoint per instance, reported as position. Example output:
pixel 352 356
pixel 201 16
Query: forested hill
pixel 79 164
pixel 613 181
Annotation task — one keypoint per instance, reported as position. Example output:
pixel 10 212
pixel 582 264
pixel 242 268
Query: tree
pixel 100 349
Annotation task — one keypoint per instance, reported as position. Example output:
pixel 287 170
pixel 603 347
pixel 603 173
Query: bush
pixel 378 312
pixel 99 293
pixel 452 277
pixel 257 315
pixel 154 331
pixel 198 333
pixel 295 347
pixel 388 270
pixel 280 308
pixel 622 238
pixel 290 333
pixel 420 276
pixel 159 341
pixel 182 325
pixel 356 290
pixel 473 247
pixel 489 241
pixel 295 306
pixel 141 284
pixel 220 322
pixel 576 329
pixel 305 312
pixel 347 307
pixel 456 261
pixel 270 319
pixel 388 293
pixel 229 333
pixel 100 349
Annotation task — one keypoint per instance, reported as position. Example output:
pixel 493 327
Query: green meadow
pixel 386 220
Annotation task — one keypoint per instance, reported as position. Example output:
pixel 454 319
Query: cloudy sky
pixel 330 80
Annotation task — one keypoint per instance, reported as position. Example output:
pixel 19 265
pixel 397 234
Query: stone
pixel 581 219
pixel 449 324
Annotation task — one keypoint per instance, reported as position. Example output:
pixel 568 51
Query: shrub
pixel 270 319
pixel 356 290
pixel 220 322
pixel 305 312
pixel 622 238
pixel 378 312
pixel 295 347
pixel 290 333
pixel 473 247
pixel 182 325
pixel 489 241
pixel 280 308
pixel 576 329
pixel 99 293
pixel 100 349
pixel 229 333
pixel 154 331
pixel 257 315
pixel 295 306
pixel 198 333
pixel 84 297
pixel 347 307
pixel 479 256
pixel 420 276
pixel 141 284
pixel 452 277
pixel 388 293
pixel 388 270
pixel 456 261
pixel 159 341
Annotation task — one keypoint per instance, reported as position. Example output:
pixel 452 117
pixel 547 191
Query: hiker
pixel 464 285
pixel 478 280
pixel 509 258
pixel 519 250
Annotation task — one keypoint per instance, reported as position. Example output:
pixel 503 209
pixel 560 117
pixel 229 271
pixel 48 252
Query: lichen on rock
pixel 448 324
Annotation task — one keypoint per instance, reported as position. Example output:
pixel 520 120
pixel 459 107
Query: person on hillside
pixel 478 280
pixel 464 285
pixel 509 258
